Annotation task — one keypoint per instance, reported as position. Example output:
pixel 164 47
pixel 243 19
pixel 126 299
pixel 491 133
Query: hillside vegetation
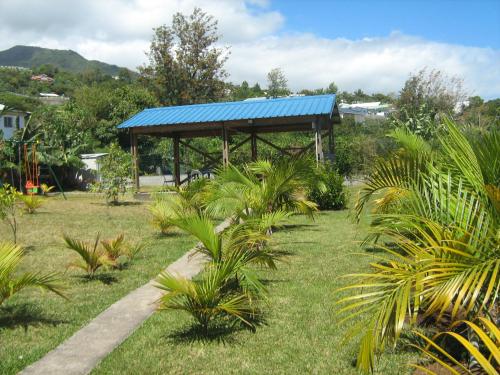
pixel 30 57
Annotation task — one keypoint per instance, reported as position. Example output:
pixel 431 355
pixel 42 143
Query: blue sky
pixel 470 23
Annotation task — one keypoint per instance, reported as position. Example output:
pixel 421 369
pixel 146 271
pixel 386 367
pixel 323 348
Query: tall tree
pixel 432 91
pixel 277 84
pixel 185 66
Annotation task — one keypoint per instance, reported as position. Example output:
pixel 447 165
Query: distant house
pixel 361 111
pixel 51 98
pixel 42 78
pixel 12 120
pixel 90 172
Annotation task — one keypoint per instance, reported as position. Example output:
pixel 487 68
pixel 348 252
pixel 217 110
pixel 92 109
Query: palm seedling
pixel 46 188
pixel 10 257
pixel 92 256
pixel 262 187
pixel 132 250
pixel 120 252
pixel 442 259
pixel 250 237
pixel 211 299
pixel 31 203
pixel 228 289
pixel 114 248
pixel 167 208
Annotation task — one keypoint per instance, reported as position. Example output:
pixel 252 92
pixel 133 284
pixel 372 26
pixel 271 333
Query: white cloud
pixel 118 32
pixel 374 64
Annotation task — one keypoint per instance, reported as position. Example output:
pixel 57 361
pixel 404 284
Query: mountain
pixel 30 57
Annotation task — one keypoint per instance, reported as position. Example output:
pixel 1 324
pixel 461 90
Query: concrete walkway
pixel 80 353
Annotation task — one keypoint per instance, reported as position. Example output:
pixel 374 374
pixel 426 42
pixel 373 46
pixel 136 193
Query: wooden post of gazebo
pixel 253 141
pixel 318 141
pixel 177 166
pixel 135 159
pixel 225 147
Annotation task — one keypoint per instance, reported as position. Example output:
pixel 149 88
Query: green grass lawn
pixel 300 334
pixel 32 323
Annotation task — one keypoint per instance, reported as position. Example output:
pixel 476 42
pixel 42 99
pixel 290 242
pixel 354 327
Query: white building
pixel 361 111
pixel 12 120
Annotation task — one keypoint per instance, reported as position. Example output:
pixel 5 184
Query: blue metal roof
pixel 231 111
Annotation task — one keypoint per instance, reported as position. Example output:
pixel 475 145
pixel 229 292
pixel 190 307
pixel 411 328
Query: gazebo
pixel 250 117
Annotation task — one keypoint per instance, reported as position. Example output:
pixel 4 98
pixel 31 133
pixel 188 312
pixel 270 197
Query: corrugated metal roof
pixel 231 111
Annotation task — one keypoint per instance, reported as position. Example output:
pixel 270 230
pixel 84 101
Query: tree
pixel 432 90
pixel 332 88
pixel 115 174
pixel 184 65
pixel 277 84
pixel 8 209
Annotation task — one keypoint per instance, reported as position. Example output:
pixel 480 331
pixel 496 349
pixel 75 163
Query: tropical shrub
pixel 163 210
pixel 46 189
pixel 211 299
pixel 115 173
pixel 228 289
pixel 438 211
pixel 332 195
pixel 92 256
pixel 263 187
pixel 120 252
pixel 250 237
pixel 11 256
pixel 8 209
pixel 31 203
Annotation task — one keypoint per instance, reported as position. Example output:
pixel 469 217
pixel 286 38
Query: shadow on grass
pixel 118 204
pixel 105 278
pixel 160 236
pixel 291 227
pixel 268 282
pixel 25 315
pixel 221 333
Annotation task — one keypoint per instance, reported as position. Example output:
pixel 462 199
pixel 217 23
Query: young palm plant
pixel 212 298
pixel 31 203
pixel 228 289
pixel 120 252
pixel 92 256
pixel 10 257
pixel 261 188
pixel 443 253
pixel 168 207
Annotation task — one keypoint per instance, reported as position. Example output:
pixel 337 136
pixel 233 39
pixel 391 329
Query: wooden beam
pixel 177 167
pixel 225 147
pixel 238 145
pixel 205 154
pixel 135 160
pixel 283 151
pixel 254 146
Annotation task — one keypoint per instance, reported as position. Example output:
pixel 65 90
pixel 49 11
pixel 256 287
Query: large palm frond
pixel 483 348
pixel 443 249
